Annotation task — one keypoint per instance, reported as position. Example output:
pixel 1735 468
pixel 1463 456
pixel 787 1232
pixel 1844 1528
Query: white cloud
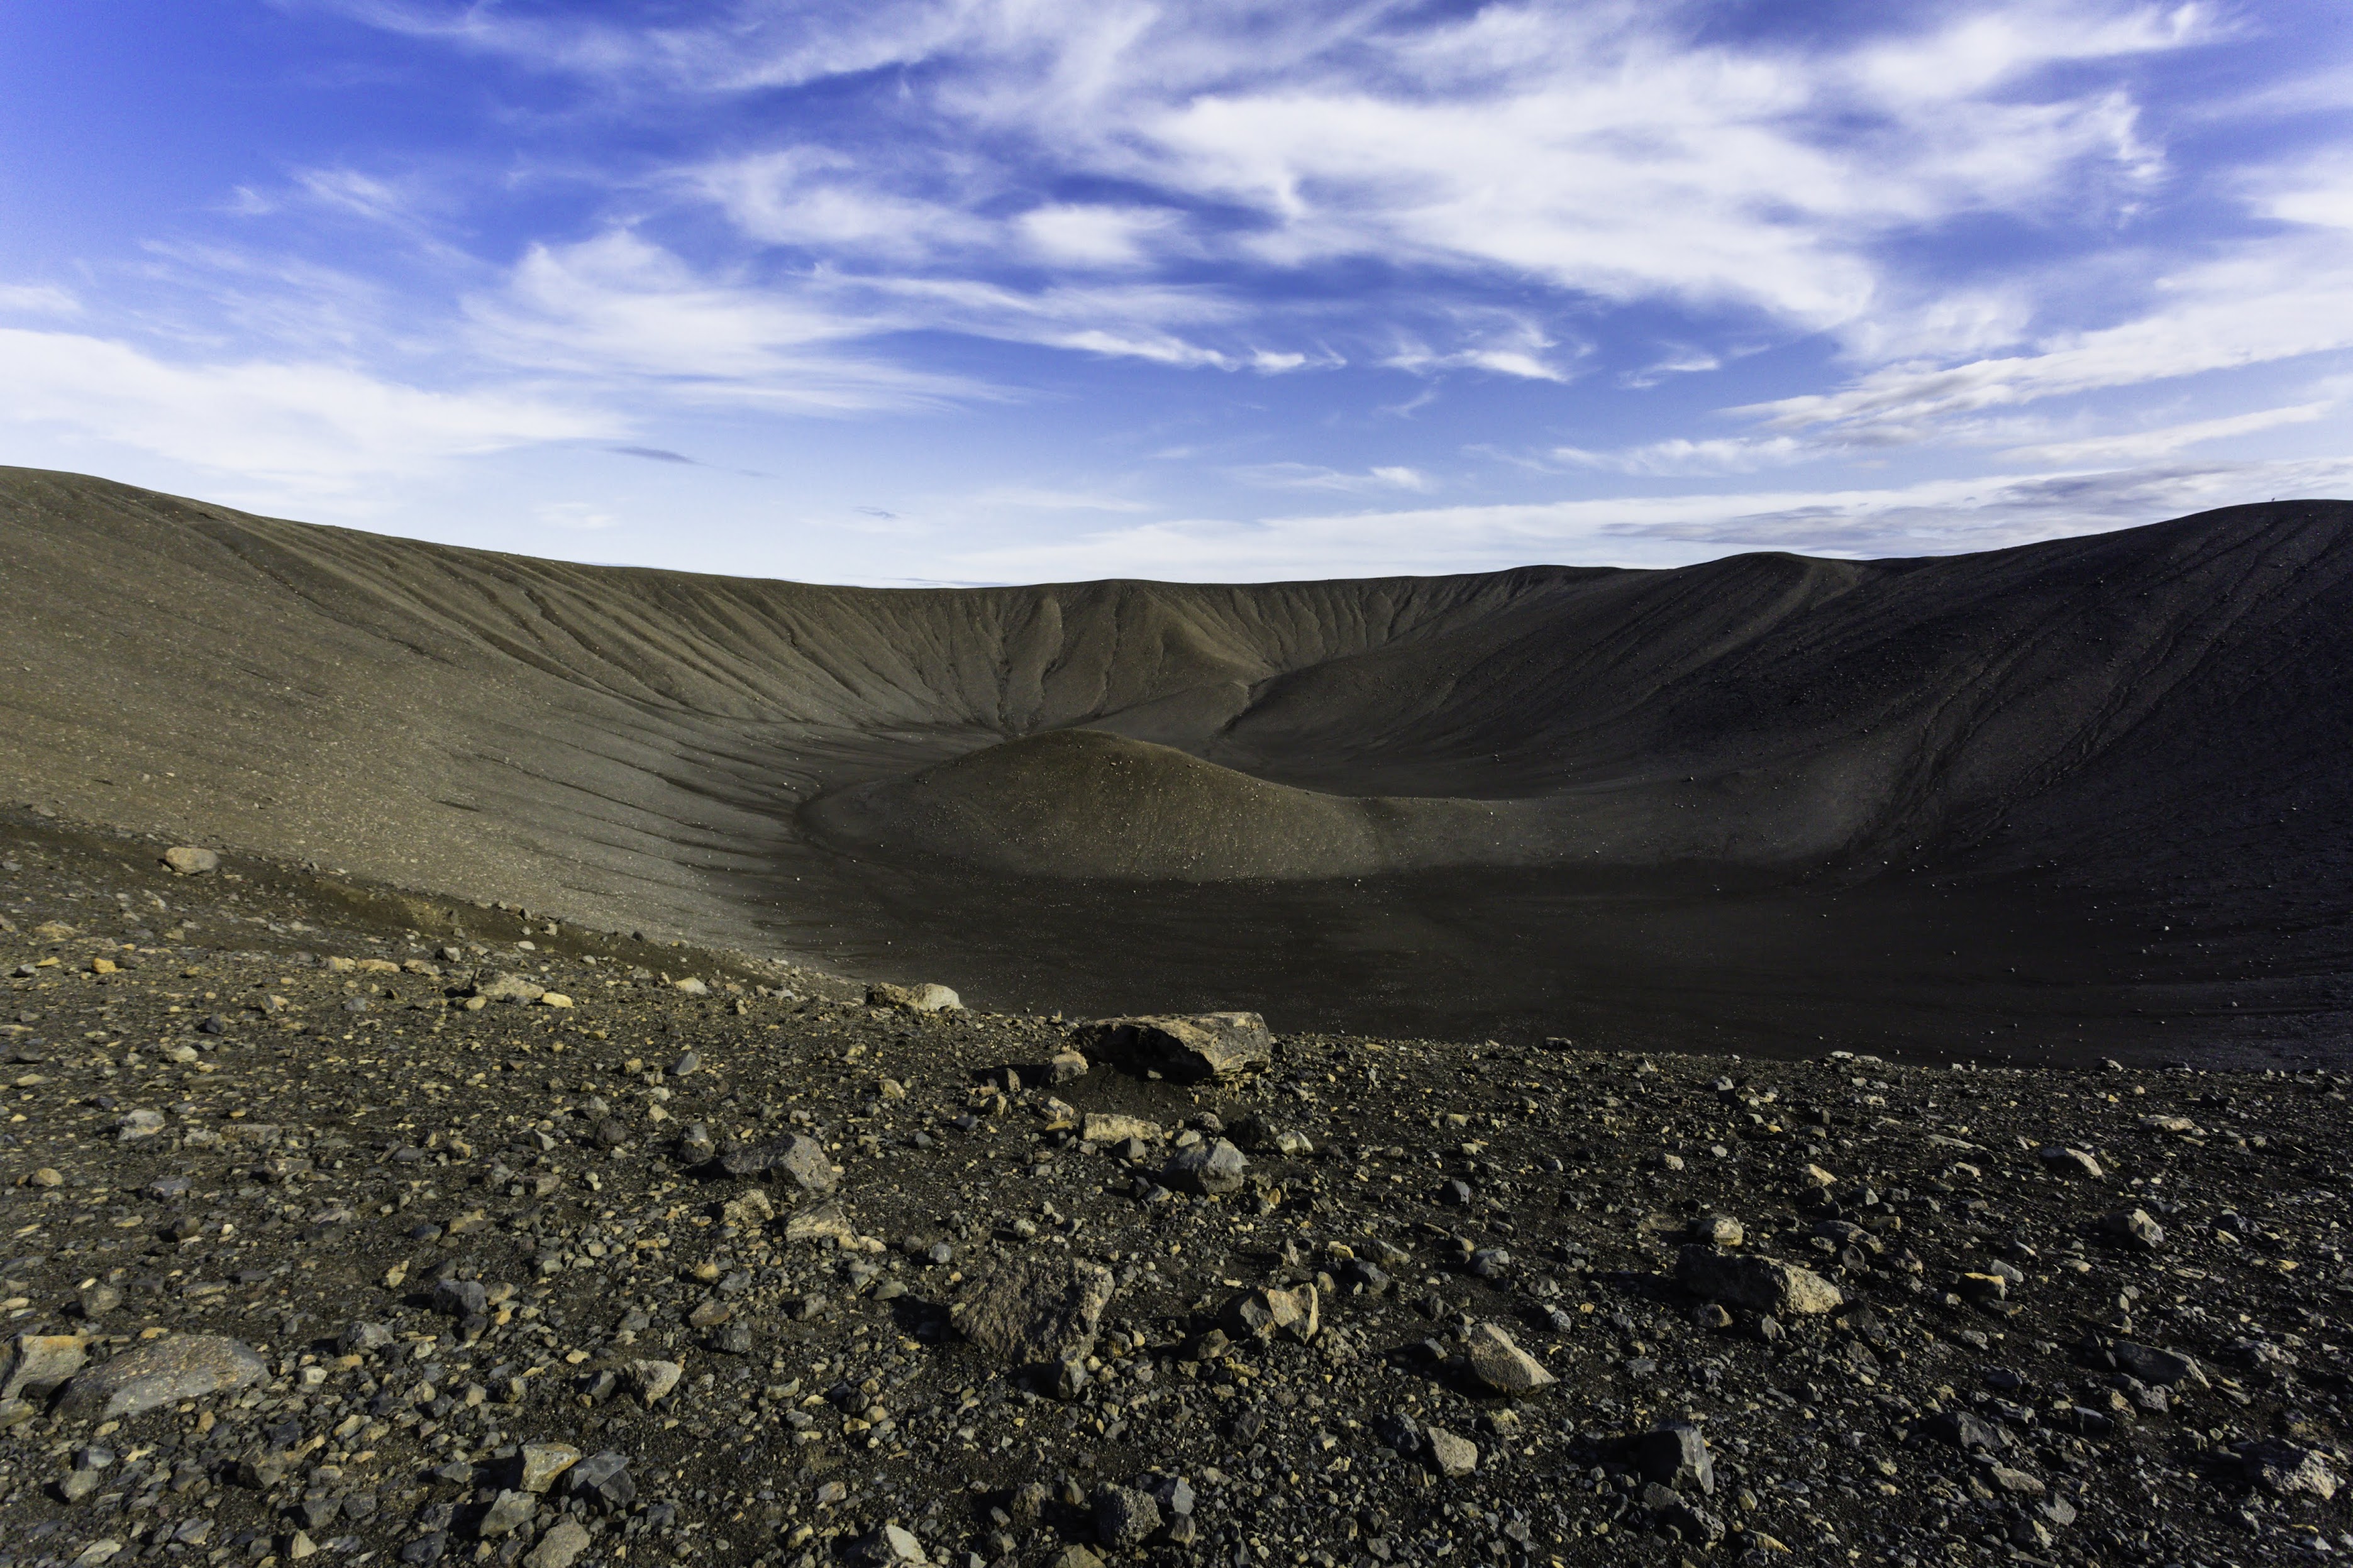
pixel 1931 517
pixel 1599 151
pixel 1677 457
pixel 1680 360
pixel 574 514
pixel 619 307
pixel 2266 304
pixel 37 300
pixel 309 425
pixel 1030 498
pixel 818 199
pixel 1088 235
pixel 2140 446
pixel 1309 477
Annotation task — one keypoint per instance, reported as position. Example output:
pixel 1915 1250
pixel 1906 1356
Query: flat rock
pixel 2061 1161
pixel 1193 1048
pixel 1035 1309
pixel 1760 1284
pixel 163 1371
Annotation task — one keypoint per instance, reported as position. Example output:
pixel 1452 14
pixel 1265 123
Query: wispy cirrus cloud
pixel 315 427
pixel 1550 249
pixel 1927 517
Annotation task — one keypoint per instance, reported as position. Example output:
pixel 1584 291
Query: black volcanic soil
pixel 259 1117
pixel 2088 798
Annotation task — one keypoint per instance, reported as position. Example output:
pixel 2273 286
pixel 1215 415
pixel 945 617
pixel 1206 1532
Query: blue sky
pixel 991 290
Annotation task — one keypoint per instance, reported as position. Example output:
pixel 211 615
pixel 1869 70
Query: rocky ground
pixel 341 1221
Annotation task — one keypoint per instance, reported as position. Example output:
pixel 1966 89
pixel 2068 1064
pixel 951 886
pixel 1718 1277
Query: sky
pixel 959 291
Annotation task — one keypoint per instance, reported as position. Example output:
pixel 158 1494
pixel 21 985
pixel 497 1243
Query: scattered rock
pixel 1066 1067
pixel 1124 1516
pixel 649 1380
pixel 1759 1284
pixel 1451 1455
pixel 138 1124
pixel 189 860
pixel 2161 1368
pixel 1676 1456
pixel 2060 1160
pixel 825 1222
pixel 1032 1311
pixel 1500 1365
pixel 1102 1127
pixel 1966 1432
pixel 541 1463
pixel 162 1371
pixel 892 1547
pixel 799 1159
pixel 1190 1049
pixel 1213 1167
pixel 2134 1229
pixel 1718 1230
pixel 1263 1315
pixel 923 998
pixel 2287 1469
pixel 40 1364
pixel 747 1210
pixel 506 988
pixel 509 1513
pixel 560 1547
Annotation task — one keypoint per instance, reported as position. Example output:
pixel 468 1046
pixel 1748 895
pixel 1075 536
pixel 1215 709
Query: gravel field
pixel 350 1224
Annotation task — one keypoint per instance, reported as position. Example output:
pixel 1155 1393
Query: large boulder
pixel 1760 1284
pixel 1191 1049
pixel 160 1372
pixel 1030 1311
